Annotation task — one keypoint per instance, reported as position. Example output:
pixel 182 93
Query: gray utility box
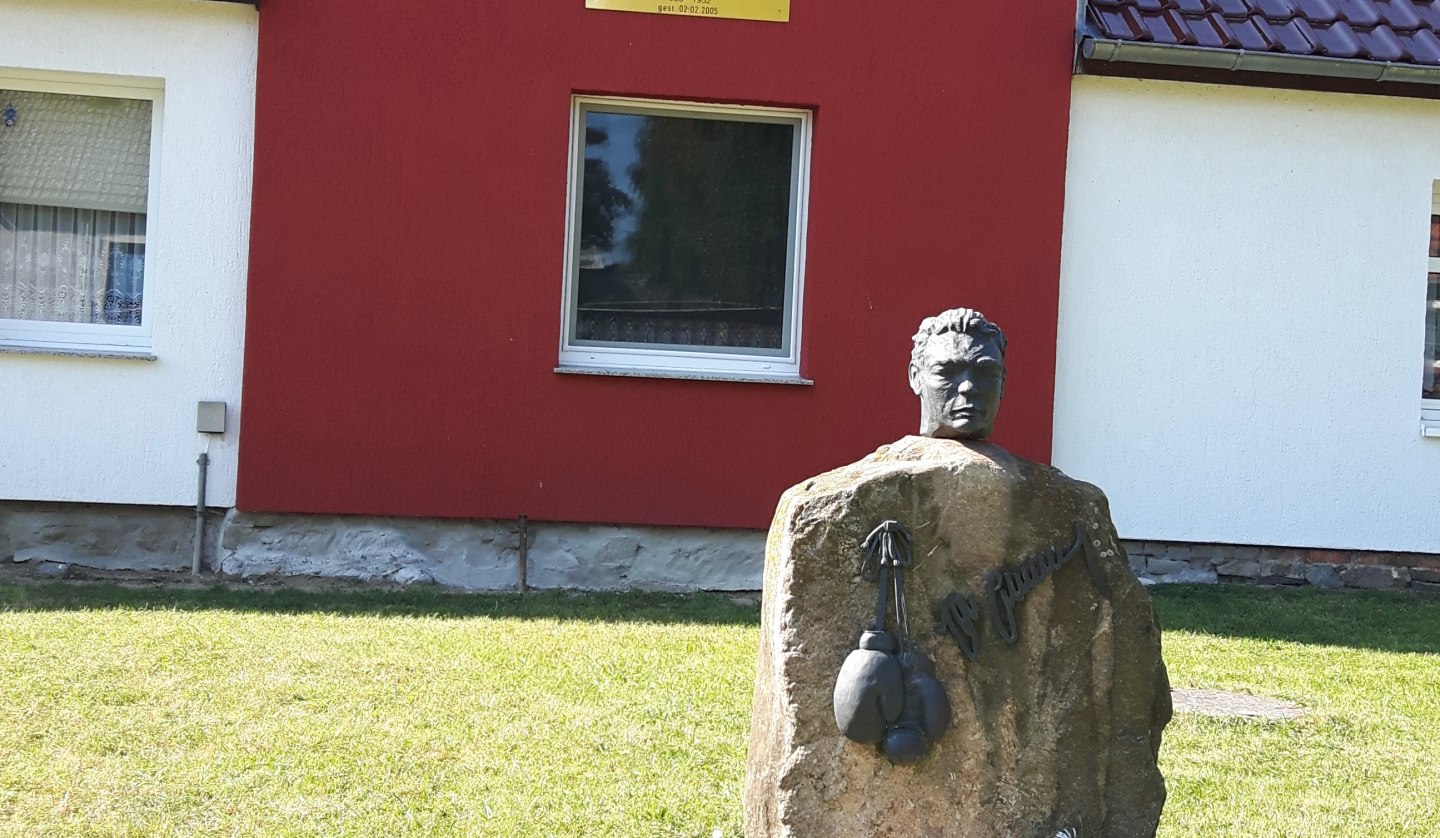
pixel 210 418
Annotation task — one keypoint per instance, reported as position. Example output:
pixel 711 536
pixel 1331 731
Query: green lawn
pixel 374 713
pixel 1364 762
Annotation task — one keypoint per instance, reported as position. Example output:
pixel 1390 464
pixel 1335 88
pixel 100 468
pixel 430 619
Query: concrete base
pixel 102 536
pixel 483 555
pixel 478 555
pixel 48 539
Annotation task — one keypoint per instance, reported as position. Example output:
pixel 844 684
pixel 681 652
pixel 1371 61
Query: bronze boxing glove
pixel 870 691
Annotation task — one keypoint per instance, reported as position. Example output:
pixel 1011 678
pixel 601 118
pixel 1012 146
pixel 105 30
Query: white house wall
pixel 123 431
pixel 1242 294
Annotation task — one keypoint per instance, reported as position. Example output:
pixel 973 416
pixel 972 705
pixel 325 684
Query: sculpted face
pixel 959 379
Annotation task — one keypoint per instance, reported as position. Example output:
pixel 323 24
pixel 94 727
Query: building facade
pixel 1248 307
pixel 125 177
pixel 606 268
pixel 562 296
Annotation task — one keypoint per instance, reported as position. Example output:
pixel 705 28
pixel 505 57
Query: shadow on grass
pixel 1385 621
pixel 629 607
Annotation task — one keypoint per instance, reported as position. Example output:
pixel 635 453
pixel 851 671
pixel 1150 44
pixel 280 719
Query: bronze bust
pixel 957 368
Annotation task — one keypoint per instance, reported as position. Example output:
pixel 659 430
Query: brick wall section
pixel 1167 561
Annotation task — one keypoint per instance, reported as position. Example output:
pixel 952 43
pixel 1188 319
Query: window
pixel 686 239
pixel 1430 376
pixel 76 168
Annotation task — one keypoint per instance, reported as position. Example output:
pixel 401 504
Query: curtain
pixel 1430 384
pixel 68 265
pixel 74 181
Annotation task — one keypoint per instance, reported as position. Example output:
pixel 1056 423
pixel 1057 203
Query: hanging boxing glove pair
pixel 887 694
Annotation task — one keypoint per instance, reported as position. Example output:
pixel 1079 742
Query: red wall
pixel 409 227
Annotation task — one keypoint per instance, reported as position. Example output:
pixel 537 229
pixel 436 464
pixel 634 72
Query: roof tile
pixel 1138 24
pixel 1297 37
pixel 1400 15
pixel 1358 12
pixel 1179 28
pixel 1114 23
pixel 1157 28
pixel 1212 31
pixel 1423 46
pixel 1276 10
pixel 1381 44
pixel 1234 9
pixel 1317 11
pixel 1268 33
pixel 1338 40
pixel 1367 30
pixel 1429 15
pixel 1254 34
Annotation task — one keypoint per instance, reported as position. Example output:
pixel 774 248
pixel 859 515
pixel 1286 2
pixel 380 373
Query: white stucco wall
pixel 1241 332
pixel 123 431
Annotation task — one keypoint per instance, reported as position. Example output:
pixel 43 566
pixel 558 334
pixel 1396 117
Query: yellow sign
pixel 738 9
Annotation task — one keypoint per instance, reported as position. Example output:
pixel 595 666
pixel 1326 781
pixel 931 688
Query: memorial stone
pixel 1022 607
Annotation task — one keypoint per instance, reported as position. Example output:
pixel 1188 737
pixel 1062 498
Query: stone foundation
pixel 480 555
pixel 1168 561
pixel 50 538
pixel 484 554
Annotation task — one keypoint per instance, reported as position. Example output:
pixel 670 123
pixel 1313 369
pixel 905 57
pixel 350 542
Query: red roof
pixel 1403 31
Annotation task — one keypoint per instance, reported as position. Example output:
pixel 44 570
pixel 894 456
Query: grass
pixel 159 712
pixel 376 713
pixel 1364 761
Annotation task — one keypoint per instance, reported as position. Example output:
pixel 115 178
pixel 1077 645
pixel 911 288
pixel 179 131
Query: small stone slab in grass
pixel 1227 704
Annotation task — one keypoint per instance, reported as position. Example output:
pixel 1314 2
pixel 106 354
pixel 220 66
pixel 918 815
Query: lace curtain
pixel 74 180
pixel 71 265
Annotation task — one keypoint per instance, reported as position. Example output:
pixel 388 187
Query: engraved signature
pixel 958 615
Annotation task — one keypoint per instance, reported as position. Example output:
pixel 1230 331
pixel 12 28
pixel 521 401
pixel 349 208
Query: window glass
pixel 1430 388
pixel 686 230
pixel 74 183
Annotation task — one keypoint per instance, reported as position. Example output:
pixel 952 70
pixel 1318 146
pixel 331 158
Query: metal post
pixel 524 553
pixel 203 462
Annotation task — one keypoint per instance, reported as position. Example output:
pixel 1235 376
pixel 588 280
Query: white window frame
pixel 675 362
pixel 41 335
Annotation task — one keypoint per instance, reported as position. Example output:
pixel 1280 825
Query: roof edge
pixel 1177 55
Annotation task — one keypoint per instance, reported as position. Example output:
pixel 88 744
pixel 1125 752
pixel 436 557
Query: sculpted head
pixel 957 368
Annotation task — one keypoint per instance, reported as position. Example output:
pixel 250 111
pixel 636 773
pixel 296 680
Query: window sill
pixel 1430 429
pixel 687 375
pixel 124 354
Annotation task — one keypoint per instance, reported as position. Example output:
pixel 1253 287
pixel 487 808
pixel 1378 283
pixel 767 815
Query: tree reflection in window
pixel 685 230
